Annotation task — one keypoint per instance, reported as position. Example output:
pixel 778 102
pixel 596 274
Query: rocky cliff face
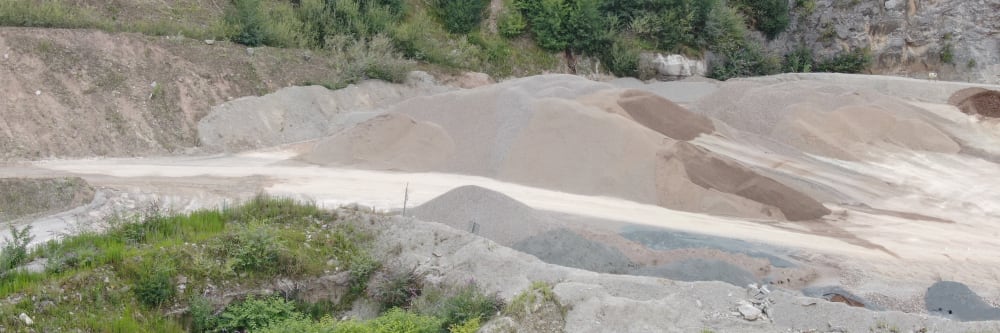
pixel 957 39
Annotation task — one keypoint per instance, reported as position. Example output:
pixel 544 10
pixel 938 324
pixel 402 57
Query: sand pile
pixel 388 142
pixel 977 101
pixel 297 114
pixel 653 112
pixel 716 173
pixel 491 214
pixel 564 133
pixel 826 119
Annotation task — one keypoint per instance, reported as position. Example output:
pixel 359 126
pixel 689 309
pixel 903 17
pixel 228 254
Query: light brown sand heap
pixel 825 119
pixel 390 141
pixel 977 101
pixel 558 132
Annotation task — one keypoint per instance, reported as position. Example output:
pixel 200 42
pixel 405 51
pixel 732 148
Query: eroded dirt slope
pixel 80 93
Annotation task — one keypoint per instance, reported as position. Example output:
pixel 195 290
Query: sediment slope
pixel 564 133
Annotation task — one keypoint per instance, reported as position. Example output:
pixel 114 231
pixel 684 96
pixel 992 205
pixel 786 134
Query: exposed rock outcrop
pixel 672 66
pixel 956 39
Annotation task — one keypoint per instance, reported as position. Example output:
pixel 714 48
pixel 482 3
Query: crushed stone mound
pixel 559 132
pixel 712 171
pixel 825 119
pixel 489 213
pixel 390 141
pixel 977 101
pixel 955 300
pixel 21 197
pixel 296 114
pixel 564 247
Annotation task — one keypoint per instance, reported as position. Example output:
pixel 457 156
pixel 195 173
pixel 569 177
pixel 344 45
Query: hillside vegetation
pixel 269 265
pixel 519 38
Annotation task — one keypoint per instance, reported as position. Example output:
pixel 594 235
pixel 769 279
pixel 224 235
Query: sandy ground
pixel 912 254
pixel 879 192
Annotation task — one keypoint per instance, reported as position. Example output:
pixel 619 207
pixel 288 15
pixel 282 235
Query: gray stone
pixel 25 319
pixel 748 311
pixel 672 66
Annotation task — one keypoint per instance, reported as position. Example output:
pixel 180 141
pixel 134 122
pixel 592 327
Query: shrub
pixel 547 20
pixel 851 62
pixel 724 29
pixel 399 321
pixel 461 16
pixel 469 326
pixel 155 286
pixel 246 17
pixel 201 314
pixel 469 303
pixel 748 61
pixel 396 290
pixel 799 61
pixel 947 54
pixel 362 266
pixel 623 58
pixel 511 23
pixel 767 16
pixel 806 6
pixel 495 54
pixel 255 313
pixel 15 252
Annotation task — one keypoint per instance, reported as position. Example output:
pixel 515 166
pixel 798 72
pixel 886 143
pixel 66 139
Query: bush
pixel 469 303
pixel 461 16
pixel 852 62
pixel 767 16
pixel 155 286
pixel 201 314
pixel 748 61
pixel 255 313
pixel 396 290
pixel 248 22
pixel 511 23
pixel 799 61
pixel 15 252
pixel 254 251
pixel 806 6
pixel 623 58
pixel 469 326
pixel 947 54
pixel 399 321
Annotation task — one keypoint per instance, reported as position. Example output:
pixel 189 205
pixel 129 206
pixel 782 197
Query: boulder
pixel 672 66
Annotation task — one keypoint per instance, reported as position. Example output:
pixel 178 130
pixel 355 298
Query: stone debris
pixel 758 305
pixel 25 319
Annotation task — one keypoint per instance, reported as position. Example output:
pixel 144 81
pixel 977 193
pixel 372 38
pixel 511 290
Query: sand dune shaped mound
pixel 825 119
pixel 486 212
pixel 849 131
pixel 977 101
pixel 564 133
pixel 389 142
